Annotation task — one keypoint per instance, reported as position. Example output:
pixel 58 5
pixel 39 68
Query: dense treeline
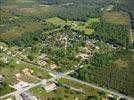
pixel 110 74
pixel 102 59
pixel 26 39
pixel 77 9
pixel 112 33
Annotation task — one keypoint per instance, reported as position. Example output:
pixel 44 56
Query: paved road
pixel 57 76
pixel 131 38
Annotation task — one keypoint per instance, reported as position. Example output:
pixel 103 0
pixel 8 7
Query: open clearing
pixel 56 21
pixel 83 28
pixel 17 31
pixel 116 17
pixel 88 90
pixel 121 63
pixel 75 25
pixel 93 20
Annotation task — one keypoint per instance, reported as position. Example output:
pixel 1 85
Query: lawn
pixel 60 94
pixel 12 68
pixel 116 17
pixel 28 79
pixel 5 89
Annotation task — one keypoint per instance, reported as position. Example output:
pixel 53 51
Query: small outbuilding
pixel 49 87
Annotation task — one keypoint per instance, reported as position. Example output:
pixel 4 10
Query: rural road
pixel 57 76
pixel 131 38
pixel 99 88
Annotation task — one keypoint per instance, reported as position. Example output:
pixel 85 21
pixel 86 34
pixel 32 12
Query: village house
pixel 9 99
pixel 28 96
pixel 17 62
pixel 4 59
pixel 82 56
pixel 20 84
pixel 5 49
pixel 27 71
pixel 1 78
pixel 53 66
pixel 87 50
pixel 2 45
pixel 9 52
pixel 42 57
pixel 110 96
pixel 49 87
pixel 41 62
pixel 18 75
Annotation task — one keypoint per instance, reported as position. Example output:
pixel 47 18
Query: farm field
pixel 57 21
pixel 116 17
pixel 24 28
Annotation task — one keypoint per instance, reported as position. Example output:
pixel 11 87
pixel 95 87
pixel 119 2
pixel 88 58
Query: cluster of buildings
pixel 3 46
pixel 14 51
pixel 87 51
pixel 41 60
pixel 25 71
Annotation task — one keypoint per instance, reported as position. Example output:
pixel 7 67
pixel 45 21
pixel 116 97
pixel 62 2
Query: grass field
pixel 56 21
pixel 17 31
pixel 5 89
pixel 88 90
pixel 93 20
pixel 59 94
pixel 121 63
pixel 83 28
pixel 76 25
pixel 116 17
pixel 28 79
